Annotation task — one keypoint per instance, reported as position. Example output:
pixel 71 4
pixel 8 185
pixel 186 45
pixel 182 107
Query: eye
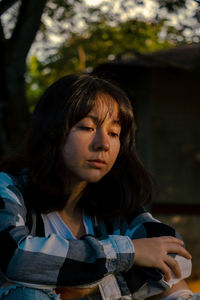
pixel 114 134
pixel 86 128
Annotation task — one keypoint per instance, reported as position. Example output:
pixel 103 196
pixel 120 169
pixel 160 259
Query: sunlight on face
pixel 93 144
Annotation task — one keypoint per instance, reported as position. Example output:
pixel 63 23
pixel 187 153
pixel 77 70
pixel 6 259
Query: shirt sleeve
pixel 53 261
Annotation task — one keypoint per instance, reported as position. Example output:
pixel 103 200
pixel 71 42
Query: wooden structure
pixel 164 88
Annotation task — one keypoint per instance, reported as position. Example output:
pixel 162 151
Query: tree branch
pixel 2 65
pixel 5 5
pixel 2 36
pixel 27 25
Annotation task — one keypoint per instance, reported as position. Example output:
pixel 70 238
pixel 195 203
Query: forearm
pixel 53 261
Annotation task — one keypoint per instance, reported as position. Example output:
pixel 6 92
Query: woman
pixel 71 216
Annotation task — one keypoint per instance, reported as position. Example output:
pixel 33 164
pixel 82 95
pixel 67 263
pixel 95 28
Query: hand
pixel 153 253
pixel 75 293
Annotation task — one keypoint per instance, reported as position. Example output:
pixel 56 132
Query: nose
pixel 101 141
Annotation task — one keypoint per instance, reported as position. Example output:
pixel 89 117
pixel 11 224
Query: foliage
pixel 99 42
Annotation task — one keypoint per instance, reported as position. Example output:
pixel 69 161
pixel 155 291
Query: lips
pixel 98 163
pixel 98 160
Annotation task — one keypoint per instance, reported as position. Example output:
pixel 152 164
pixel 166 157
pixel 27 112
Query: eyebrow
pixel 96 120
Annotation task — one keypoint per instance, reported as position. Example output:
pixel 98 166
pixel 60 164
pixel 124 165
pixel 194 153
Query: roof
pixel 185 57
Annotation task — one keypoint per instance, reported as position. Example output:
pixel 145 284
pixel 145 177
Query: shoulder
pixel 145 225
pixel 12 188
pixel 141 224
pixel 7 180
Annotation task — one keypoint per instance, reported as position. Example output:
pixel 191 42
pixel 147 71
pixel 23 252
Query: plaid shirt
pixel 107 259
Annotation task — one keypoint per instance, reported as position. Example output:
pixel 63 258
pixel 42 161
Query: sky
pixel 93 2
pixel 146 12
pixel 149 8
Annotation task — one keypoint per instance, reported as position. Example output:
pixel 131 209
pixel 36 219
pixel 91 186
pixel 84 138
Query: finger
pixel 166 271
pixel 174 248
pixel 172 239
pixel 173 265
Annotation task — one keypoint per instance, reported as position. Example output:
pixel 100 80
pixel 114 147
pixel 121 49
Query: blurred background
pixel 151 48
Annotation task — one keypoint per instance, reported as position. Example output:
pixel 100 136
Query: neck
pixel 71 214
pixel 71 208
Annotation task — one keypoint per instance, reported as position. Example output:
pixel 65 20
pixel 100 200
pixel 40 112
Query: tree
pixel 14 110
pixel 14 113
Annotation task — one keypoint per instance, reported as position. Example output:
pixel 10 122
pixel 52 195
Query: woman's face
pixel 93 143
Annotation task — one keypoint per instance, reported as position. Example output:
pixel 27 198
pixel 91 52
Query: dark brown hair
pixel 63 104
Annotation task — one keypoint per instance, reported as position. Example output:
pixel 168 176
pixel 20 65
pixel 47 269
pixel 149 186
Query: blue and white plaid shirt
pixel 106 259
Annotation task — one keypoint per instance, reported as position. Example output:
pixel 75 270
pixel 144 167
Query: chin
pixel 93 179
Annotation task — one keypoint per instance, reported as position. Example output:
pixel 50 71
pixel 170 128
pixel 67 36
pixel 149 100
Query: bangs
pixel 88 92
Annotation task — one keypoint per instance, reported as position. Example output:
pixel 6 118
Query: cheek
pixel 74 150
pixel 115 151
pixel 69 151
pixel 71 154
